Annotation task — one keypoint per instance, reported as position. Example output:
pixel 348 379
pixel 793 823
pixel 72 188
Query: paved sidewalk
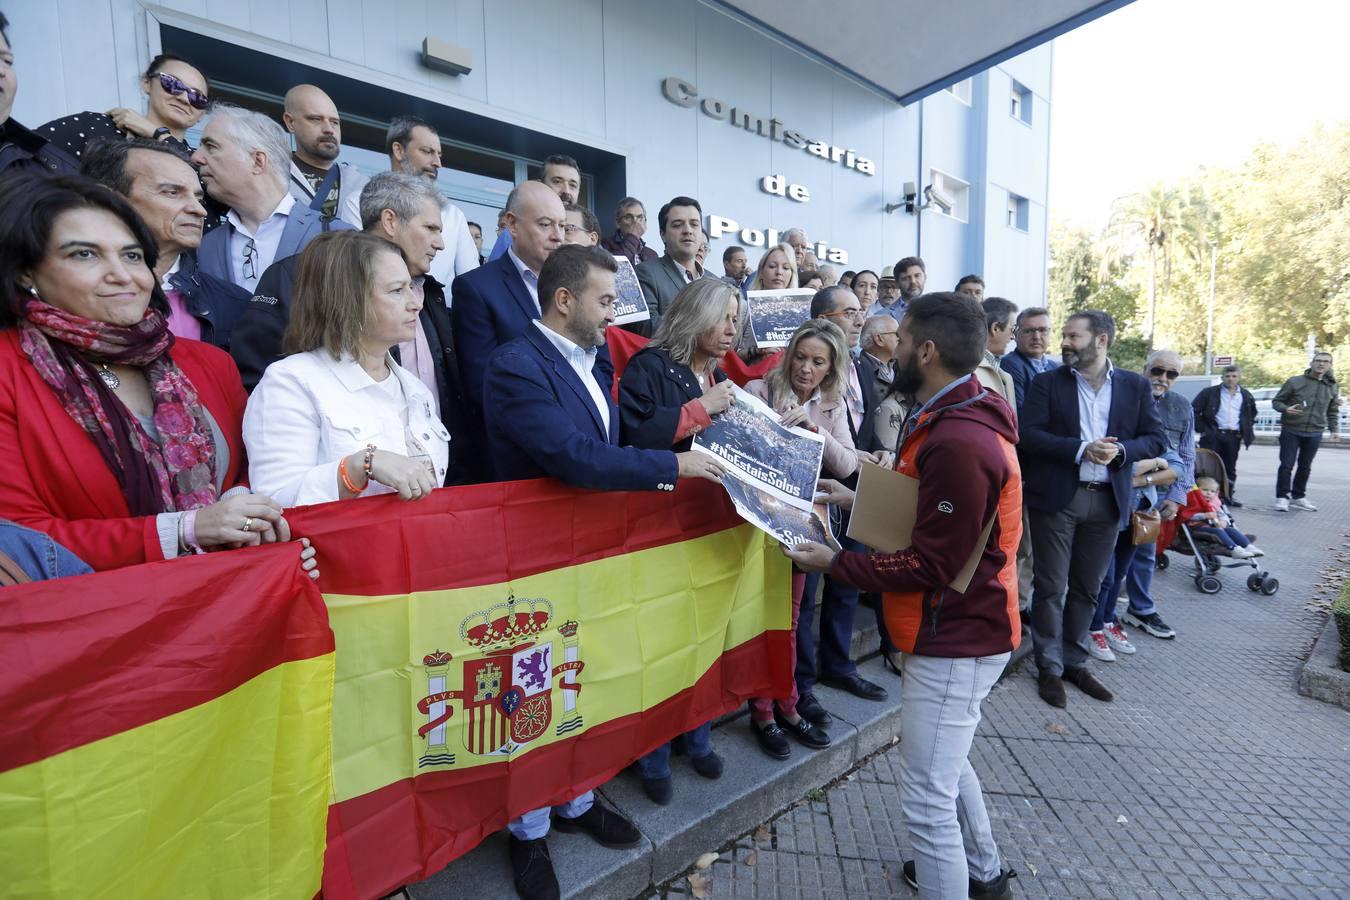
pixel 1209 776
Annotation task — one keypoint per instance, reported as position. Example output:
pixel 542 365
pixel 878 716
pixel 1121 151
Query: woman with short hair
pixel 338 418
pixel 123 442
pixel 806 388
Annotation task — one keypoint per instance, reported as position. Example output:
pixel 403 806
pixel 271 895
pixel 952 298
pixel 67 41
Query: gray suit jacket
pixel 350 183
pixel 302 226
pixel 661 280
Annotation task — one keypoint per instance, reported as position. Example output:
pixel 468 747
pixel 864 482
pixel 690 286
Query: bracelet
pixel 182 546
pixel 345 478
pixel 366 463
pixel 189 526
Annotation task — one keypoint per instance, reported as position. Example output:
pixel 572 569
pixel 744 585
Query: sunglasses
pixel 172 85
pixel 1172 374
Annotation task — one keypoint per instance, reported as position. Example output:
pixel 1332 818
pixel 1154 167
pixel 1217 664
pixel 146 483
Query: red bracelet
pixel 345 478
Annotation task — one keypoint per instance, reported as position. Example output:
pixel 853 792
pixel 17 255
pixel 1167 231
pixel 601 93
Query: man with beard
pixel 415 149
pixel 317 180
pixel 910 277
pixel 958 443
pixel 630 224
pixel 1083 427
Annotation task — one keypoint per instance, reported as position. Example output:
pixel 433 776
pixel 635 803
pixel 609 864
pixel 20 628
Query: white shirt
pixel 1094 416
pixel 582 362
pixel 266 241
pixel 310 410
pixel 1230 409
pixel 460 255
pixel 531 280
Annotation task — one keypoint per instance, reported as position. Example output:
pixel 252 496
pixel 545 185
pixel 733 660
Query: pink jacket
pixel 831 420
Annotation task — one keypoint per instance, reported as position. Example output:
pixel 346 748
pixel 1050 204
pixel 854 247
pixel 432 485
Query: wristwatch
pixel 1148 479
pixel 160 134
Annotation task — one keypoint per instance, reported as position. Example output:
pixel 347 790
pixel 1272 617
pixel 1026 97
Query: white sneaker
pixel 1116 637
pixel 1302 503
pixel 1098 648
pixel 1241 553
pixel 1282 504
pixel 1255 550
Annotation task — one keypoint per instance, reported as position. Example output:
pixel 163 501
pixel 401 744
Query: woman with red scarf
pixel 120 442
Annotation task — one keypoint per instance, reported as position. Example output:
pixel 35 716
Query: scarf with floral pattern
pixel 177 473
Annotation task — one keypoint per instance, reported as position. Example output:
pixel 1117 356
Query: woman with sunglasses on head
pixel 177 98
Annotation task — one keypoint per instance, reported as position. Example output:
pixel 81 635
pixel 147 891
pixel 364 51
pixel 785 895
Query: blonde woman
pixel 338 418
pixel 777 271
pixel 806 388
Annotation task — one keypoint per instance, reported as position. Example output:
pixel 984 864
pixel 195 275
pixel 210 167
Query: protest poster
pixel 775 315
pixel 630 304
pixel 771 470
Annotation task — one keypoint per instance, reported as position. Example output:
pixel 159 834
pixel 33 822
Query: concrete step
pixel 703 815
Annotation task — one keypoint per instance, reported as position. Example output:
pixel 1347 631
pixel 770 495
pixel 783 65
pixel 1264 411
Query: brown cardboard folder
pixel 883 517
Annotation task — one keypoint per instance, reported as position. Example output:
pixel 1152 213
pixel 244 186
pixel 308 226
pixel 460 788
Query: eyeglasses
pixel 250 260
pixel 1044 332
pixel 171 85
pixel 845 314
pixel 569 228
pixel 1157 371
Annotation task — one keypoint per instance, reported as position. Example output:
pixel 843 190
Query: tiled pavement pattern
pixel 1209 776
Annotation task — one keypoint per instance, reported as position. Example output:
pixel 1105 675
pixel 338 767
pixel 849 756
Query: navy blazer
pixel 215 303
pixel 652 394
pixel 489 306
pixel 1022 371
pixel 1049 438
pixel 302 226
pixel 540 421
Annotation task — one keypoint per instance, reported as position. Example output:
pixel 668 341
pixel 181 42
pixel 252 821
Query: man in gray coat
pixel 312 117
pixel 681 224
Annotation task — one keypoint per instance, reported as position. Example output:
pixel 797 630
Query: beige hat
pixel 887 273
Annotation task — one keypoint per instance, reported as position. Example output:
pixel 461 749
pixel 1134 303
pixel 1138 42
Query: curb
pixel 1320 677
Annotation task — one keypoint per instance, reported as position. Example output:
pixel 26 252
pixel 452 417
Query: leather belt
pixel 1229 431
pixel 1095 485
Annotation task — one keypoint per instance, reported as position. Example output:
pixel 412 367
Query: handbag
pixel 1144 525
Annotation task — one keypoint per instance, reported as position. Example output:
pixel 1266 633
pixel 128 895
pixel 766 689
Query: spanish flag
pixel 216 727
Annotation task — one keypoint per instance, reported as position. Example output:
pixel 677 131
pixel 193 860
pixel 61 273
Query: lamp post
pixel 1209 332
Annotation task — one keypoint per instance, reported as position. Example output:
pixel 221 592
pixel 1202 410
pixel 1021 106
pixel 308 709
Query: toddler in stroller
pixel 1206 515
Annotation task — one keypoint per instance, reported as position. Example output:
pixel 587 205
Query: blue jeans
pixel 940 794
pixel 534 824
pixel 1121 559
pixel 1139 579
pixel 1297 449
pixel 695 744
pixel 1230 537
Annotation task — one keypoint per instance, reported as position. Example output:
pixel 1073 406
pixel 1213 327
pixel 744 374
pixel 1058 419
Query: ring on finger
pixel 248 523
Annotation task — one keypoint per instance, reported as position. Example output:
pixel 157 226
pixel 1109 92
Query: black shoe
pixel 709 766
pixel 889 665
pixel 856 685
pixel 809 708
pixel 658 790
pixel 1086 682
pixel 992 890
pixel 605 825
pixel 533 869
pixel 772 739
pixel 1051 688
pixel 806 734
pixel 1234 502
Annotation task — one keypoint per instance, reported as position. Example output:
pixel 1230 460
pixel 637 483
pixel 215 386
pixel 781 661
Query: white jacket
pixel 310 410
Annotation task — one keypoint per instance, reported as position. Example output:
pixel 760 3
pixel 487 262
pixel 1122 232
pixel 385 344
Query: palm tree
pixel 1155 221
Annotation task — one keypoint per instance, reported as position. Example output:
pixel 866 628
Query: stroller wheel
pixel 1270 585
pixel 1212 564
pixel 1162 561
pixel 1254 581
pixel 1208 584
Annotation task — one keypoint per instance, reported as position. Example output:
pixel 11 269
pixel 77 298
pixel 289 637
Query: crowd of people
pixel 194 339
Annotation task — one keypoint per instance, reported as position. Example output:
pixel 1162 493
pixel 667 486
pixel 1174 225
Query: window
pixel 1021 102
pixel 961 91
pixel 954 191
pixel 1019 212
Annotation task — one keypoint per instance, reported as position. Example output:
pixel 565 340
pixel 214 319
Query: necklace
pixel 109 377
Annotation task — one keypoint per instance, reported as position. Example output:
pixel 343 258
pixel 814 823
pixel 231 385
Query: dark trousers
pixel 1227 444
pixel 1297 449
pixel 838 603
pixel 1072 548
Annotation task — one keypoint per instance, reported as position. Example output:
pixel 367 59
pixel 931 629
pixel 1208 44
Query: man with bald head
pixel 318 180
pixel 496 302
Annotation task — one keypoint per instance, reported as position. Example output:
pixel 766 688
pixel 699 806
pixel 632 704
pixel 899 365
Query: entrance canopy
pixel 911 48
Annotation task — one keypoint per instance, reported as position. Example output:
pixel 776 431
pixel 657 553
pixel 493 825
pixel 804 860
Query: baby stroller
pixel 1210 555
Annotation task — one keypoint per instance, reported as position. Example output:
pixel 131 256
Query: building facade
pixel 655 98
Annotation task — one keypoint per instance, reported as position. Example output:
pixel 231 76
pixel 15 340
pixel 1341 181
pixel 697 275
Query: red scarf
pixel 177 473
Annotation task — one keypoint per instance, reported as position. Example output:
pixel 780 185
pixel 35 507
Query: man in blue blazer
pixel 549 411
pixel 244 162
pixel 1082 428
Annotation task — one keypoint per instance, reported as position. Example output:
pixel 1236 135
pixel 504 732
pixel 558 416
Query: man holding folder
pixel 950 593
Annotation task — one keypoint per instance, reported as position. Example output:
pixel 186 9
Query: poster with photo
pixel 630 304
pixel 775 315
pixel 771 470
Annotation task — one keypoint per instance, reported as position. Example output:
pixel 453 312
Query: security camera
pixel 938 199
